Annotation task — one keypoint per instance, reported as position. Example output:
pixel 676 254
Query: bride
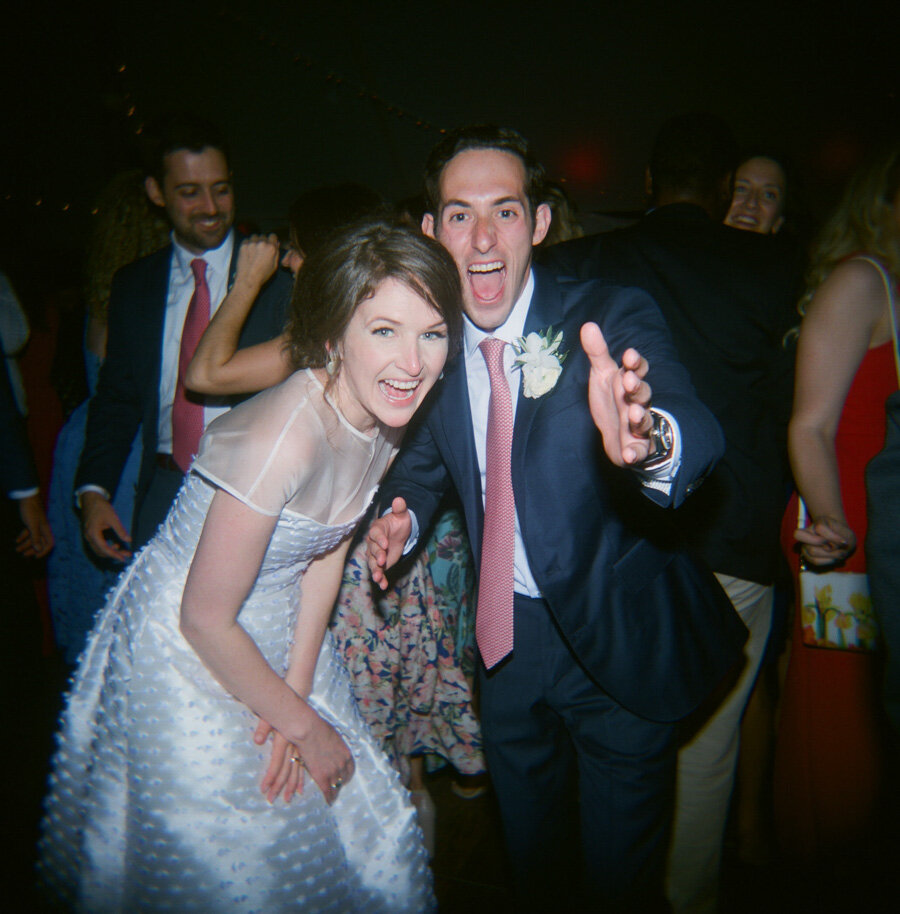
pixel 154 800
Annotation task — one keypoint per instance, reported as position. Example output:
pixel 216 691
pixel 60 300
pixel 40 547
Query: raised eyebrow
pixel 505 201
pixel 193 185
pixel 459 204
pixel 500 201
pixel 397 323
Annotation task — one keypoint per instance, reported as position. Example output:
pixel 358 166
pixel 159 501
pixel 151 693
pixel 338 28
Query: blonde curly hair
pixel 864 221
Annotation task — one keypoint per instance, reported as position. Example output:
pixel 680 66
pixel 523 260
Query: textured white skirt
pixel 154 801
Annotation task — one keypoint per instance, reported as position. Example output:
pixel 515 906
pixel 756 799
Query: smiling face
pixel 757 204
pixel 486 224
pixel 391 353
pixel 197 196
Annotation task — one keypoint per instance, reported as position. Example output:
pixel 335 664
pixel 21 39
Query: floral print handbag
pixel 835 607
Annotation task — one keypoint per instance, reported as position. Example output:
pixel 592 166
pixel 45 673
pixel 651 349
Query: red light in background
pixel 583 164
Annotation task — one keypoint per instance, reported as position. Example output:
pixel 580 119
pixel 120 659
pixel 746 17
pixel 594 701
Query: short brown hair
pixel 351 266
pixel 483 136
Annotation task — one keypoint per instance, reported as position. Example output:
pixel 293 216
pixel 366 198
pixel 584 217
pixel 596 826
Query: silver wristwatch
pixel 661 441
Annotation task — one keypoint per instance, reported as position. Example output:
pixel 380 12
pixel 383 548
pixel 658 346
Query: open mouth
pixel 398 391
pixel 486 280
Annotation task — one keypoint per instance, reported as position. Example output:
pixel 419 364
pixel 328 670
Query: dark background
pixel 314 93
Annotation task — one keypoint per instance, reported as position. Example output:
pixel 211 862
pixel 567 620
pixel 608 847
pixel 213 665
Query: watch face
pixel 663 431
pixel 661 442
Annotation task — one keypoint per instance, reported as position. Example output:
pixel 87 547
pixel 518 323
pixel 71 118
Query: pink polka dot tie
pixel 187 413
pixel 494 618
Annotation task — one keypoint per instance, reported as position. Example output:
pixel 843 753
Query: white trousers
pixel 706 767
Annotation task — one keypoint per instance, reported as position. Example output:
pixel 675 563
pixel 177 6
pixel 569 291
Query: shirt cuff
pixel 414 532
pixel 90 488
pixel 661 477
pixel 19 494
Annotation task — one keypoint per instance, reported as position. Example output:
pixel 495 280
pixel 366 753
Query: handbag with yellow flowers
pixel 835 607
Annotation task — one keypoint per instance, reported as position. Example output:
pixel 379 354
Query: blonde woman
pixel 829 761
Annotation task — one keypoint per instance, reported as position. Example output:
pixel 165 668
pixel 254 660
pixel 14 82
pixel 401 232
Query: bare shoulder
pixel 853 284
pixel 851 305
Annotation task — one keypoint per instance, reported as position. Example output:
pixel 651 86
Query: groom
pixel 596 633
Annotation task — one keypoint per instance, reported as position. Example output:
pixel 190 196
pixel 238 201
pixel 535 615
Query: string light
pixel 41 203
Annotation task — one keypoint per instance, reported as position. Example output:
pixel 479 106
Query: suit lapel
pixel 157 293
pixel 453 423
pixel 545 311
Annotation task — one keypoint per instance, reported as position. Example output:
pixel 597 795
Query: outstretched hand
pixel 386 540
pixel 619 399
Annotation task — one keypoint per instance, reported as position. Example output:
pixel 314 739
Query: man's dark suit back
pixel 728 297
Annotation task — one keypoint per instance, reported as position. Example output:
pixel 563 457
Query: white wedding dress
pixel 154 800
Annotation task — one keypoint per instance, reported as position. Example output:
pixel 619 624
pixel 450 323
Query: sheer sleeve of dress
pixel 289 449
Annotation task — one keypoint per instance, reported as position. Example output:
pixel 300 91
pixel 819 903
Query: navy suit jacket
pixel 728 297
pixel 651 626
pixel 128 387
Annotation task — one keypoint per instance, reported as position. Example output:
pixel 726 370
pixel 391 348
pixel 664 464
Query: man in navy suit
pixel 189 177
pixel 616 633
pixel 728 297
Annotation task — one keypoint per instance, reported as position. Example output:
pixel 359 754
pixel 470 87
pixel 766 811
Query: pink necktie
pixel 187 414
pixel 494 617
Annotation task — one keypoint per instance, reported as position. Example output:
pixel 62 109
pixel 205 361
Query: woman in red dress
pixel 829 762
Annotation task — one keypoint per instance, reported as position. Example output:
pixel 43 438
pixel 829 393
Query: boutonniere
pixel 539 358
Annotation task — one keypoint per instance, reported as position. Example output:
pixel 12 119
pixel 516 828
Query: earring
pixel 332 363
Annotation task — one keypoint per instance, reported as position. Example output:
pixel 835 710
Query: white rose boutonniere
pixel 539 358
